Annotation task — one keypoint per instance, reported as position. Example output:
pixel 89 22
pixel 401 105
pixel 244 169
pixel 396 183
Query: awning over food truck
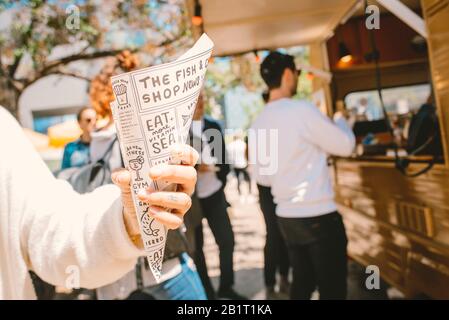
pixel 240 26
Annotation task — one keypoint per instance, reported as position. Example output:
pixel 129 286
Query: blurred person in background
pixel 237 151
pixel 300 181
pixel 77 153
pixel 213 170
pixel 193 222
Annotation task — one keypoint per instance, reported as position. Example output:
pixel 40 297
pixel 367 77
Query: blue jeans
pixel 185 286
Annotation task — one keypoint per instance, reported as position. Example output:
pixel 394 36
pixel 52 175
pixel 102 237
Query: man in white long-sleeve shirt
pixel 47 227
pixel 297 171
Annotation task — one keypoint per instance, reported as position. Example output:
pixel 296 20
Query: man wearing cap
pixel 298 138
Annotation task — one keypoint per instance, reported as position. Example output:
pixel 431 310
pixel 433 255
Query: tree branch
pixel 58 72
pixel 95 55
pixel 15 85
pixel 25 39
pixel 70 74
pixel 3 72
pixel 76 57
pixel 53 67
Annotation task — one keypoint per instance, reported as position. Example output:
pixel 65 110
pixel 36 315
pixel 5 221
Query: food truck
pixel 386 63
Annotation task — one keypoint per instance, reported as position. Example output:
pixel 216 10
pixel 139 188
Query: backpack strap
pixel 103 162
pixel 107 154
pixel 139 278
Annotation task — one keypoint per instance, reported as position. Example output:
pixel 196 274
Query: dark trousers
pixel 246 177
pixel 317 251
pixel 214 210
pixel 275 251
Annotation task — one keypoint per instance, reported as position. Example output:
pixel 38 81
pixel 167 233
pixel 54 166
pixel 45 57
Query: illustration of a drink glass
pixel 136 165
pixel 120 93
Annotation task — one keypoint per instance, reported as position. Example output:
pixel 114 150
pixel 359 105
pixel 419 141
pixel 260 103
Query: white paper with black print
pixel 153 110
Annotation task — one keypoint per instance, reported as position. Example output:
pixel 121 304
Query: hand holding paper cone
pixel 168 208
pixel 153 112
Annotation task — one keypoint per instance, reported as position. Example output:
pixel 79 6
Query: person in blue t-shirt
pixel 77 154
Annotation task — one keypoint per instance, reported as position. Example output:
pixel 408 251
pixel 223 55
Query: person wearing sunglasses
pixel 77 153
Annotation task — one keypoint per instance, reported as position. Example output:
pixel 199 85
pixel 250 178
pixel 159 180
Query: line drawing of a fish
pixel 147 224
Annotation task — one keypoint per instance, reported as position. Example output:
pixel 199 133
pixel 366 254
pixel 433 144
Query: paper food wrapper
pixel 153 110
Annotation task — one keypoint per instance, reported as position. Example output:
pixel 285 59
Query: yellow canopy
pixel 63 133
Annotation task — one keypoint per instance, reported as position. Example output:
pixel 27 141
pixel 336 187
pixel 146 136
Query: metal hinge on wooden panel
pixel 415 218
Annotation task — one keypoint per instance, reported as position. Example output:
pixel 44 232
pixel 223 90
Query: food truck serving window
pixel 412 116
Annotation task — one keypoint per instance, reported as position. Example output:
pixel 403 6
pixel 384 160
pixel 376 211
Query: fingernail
pixel 142 194
pixel 156 171
pixel 177 151
pixel 154 210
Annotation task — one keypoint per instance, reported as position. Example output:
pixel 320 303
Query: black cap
pixel 273 66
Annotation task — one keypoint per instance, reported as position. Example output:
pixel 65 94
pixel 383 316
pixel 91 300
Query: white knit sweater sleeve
pixel 333 137
pixel 64 236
